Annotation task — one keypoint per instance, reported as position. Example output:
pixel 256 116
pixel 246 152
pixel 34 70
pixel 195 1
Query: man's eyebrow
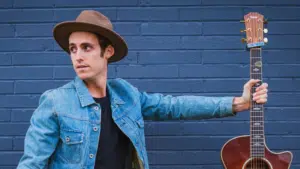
pixel 71 44
pixel 83 43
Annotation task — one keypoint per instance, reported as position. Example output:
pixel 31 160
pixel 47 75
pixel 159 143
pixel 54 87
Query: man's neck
pixel 97 87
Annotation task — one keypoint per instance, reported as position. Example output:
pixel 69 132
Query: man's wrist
pixel 239 104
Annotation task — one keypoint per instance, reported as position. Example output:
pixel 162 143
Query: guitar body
pixel 235 154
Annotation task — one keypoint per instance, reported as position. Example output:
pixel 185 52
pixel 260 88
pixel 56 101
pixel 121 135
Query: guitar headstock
pixel 254 24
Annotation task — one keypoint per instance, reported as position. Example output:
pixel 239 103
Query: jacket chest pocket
pixel 72 145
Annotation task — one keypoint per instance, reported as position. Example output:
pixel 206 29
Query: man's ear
pixel 109 52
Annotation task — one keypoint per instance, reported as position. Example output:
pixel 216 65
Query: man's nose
pixel 79 55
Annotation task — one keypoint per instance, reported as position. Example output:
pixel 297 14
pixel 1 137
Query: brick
pixel 6 4
pixel 9 158
pixel 26 15
pixel 286 13
pixel 131 58
pixel 211 42
pixel 222 28
pixel 64 72
pixel 91 3
pixel 5 144
pixel 18 144
pixel 26 73
pixel 33 3
pixel 282 42
pixel 224 71
pixel 41 58
pixel 158 71
pixel 17 101
pixel 169 57
pixel 286 85
pixel 69 72
pixel 225 57
pixel 57 48
pixel 169 3
pixel 282 114
pixel 168 85
pixel 71 14
pixel 187 166
pixel 34 30
pixel 36 87
pixel 253 2
pixel 283 99
pixel 6 87
pixel 5 59
pixel 276 56
pixel 218 85
pixel 216 128
pixel 31 44
pixel 21 115
pixel 210 14
pixel 243 57
pixel 189 28
pixel 127 28
pixel 189 143
pixel 15 129
pixel 283 28
pixel 10 167
pixel 184 157
pixel 147 42
pixel 281 71
pixel 4 115
pixel 7 31
pixel 147 14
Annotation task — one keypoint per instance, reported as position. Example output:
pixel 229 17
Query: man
pixel 92 122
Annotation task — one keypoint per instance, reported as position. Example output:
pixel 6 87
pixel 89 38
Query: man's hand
pixel 260 96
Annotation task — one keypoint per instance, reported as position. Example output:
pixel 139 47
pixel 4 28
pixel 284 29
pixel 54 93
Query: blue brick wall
pixel 176 47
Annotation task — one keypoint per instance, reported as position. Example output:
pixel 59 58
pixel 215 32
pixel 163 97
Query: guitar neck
pixel 256 110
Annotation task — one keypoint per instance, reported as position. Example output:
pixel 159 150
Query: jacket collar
pixel 86 98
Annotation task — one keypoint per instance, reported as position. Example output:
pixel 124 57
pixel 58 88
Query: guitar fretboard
pixel 257 142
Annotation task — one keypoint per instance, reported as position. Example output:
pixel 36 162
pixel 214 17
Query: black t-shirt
pixel 114 145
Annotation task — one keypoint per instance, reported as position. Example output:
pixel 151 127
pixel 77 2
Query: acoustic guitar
pixel 250 151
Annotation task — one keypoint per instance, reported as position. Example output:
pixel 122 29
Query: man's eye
pixel 87 47
pixel 72 49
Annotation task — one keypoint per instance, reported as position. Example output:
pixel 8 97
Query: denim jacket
pixel 65 128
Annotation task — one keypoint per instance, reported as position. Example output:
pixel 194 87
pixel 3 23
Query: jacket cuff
pixel 226 108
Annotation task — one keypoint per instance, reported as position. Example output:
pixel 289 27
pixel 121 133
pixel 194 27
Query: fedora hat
pixel 94 22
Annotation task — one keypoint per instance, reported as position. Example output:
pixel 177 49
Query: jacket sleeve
pixel 161 107
pixel 42 135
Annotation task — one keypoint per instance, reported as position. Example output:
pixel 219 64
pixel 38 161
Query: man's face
pixel 85 53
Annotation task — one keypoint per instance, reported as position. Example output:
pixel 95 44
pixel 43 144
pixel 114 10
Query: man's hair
pixel 103 42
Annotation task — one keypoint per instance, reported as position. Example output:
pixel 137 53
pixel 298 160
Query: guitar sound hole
pixel 257 163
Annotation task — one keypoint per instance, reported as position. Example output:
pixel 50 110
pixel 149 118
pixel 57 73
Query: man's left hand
pixel 259 96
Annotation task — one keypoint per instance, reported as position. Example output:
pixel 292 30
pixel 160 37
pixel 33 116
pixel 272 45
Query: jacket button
pixel 91 155
pixel 95 128
pixel 68 139
pixel 96 108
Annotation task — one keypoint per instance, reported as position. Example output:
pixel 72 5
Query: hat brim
pixel 62 31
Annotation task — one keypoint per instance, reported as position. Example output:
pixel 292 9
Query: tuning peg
pixel 243 40
pixel 265 30
pixel 265 21
pixel 266 40
pixel 243 30
pixel 242 21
